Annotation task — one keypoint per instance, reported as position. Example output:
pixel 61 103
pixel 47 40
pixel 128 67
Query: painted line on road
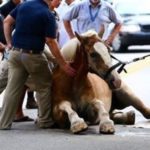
pixel 136 67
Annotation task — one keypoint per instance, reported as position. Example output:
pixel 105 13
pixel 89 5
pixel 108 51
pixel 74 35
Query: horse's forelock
pixel 103 51
pixel 89 33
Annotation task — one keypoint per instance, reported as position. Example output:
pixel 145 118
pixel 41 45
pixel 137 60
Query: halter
pixel 122 64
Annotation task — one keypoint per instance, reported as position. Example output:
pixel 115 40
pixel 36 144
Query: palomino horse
pixel 85 97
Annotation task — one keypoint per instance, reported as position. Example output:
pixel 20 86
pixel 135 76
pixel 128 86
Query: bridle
pixel 122 64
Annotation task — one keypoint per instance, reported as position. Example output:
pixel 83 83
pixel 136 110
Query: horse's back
pixel 69 49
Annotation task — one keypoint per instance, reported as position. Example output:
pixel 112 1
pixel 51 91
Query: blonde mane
pixel 69 49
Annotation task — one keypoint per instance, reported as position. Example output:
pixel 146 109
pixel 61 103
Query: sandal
pixel 23 119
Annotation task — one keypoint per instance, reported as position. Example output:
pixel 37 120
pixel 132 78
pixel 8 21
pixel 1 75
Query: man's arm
pixel 114 32
pixel 68 28
pixel 53 46
pixel 8 28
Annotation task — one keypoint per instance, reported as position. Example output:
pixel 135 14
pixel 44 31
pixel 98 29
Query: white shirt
pixel 62 10
pixel 89 17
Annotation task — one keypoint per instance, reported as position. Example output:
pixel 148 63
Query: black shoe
pixel 31 103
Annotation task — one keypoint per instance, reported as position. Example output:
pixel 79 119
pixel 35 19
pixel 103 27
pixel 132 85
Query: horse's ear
pixel 79 37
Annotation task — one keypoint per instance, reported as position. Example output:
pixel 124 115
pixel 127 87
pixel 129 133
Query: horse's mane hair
pixel 90 33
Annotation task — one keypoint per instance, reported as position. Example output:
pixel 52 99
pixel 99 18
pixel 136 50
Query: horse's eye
pixel 94 55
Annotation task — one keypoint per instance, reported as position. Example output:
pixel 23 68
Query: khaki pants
pixel 21 65
pixel 3 75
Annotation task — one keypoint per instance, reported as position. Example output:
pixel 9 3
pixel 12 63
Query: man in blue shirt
pixel 31 103
pixel 33 29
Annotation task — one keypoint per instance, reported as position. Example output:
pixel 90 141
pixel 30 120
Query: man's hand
pixel 9 46
pixel 109 40
pixel 68 70
pixel 2 47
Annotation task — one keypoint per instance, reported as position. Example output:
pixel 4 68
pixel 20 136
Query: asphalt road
pixel 26 136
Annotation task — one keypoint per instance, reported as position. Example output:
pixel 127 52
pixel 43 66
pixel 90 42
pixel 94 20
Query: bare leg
pixel 31 103
pixel 19 113
pixel 19 117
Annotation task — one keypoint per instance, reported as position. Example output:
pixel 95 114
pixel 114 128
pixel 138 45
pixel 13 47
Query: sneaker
pixel 31 104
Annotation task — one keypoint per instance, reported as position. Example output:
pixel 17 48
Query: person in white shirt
pixel 64 7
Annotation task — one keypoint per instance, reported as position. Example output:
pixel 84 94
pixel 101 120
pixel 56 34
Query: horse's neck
pixel 80 62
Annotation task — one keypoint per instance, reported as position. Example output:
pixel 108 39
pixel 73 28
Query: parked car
pixel 136 24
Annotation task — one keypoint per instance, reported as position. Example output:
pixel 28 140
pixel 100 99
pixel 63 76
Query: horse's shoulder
pixel 99 85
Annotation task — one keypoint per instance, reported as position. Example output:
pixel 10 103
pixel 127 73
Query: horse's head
pixel 98 58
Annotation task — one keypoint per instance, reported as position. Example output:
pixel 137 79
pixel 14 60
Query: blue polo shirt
pixel 34 22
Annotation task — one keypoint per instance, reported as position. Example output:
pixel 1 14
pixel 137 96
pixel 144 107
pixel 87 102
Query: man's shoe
pixel 31 103
pixel 23 119
pixel 43 125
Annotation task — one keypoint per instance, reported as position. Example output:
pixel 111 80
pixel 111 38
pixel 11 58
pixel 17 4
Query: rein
pixel 122 64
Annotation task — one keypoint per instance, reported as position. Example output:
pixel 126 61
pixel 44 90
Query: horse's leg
pixel 125 97
pixel 77 124
pixel 106 124
pixel 120 117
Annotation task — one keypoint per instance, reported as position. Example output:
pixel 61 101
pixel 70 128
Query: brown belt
pixel 26 51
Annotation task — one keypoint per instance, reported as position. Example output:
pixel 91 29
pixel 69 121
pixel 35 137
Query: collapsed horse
pixel 90 98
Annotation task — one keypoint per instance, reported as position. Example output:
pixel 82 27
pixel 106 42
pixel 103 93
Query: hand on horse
pixel 9 46
pixel 2 47
pixel 68 69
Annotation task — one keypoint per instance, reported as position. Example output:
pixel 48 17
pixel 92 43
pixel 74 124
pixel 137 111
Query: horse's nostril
pixel 117 83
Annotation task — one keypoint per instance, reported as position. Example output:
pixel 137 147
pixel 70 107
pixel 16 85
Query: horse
pixel 85 97
pixel 122 97
pixel 71 94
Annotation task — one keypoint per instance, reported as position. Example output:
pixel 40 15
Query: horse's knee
pixel 61 118
pixel 92 115
pixel 93 111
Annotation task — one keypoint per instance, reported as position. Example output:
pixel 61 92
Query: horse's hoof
pixel 130 118
pixel 127 118
pixel 146 113
pixel 107 127
pixel 79 126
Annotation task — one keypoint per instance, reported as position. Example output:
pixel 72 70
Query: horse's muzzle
pixel 114 83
